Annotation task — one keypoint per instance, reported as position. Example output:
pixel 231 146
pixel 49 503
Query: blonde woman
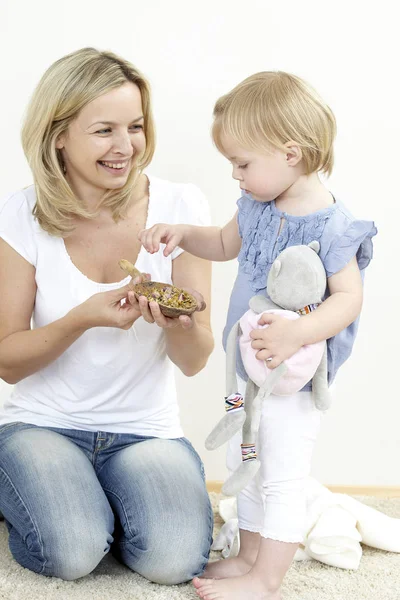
pixel 278 134
pixel 92 454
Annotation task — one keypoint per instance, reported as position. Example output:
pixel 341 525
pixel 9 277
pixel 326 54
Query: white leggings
pixel 273 504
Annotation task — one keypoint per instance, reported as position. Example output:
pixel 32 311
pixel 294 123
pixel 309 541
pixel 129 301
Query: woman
pixel 92 455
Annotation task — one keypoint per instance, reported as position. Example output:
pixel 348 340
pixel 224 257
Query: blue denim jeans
pixel 68 497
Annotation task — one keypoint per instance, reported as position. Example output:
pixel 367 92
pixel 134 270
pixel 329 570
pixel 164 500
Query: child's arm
pixel 283 338
pixel 211 243
pixel 339 310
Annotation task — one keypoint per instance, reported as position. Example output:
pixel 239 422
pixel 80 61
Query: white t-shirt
pixel 109 379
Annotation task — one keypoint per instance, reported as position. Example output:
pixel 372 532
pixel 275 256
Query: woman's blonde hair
pixel 67 86
pixel 273 108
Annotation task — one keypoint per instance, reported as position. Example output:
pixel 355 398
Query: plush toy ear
pixel 276 267
pixel 314 246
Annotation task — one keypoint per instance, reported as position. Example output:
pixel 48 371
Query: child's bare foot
pixel 229 567
pixel 246 587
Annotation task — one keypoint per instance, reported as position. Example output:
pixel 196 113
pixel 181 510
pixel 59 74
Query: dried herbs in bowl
pixel 173 301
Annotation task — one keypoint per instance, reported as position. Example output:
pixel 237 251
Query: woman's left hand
pixel 279 341
pixel 151 312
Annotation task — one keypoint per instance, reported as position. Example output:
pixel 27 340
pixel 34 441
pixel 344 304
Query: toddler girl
pixel 278 135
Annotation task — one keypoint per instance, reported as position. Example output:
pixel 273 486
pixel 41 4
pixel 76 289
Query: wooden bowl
pixel 173 301
pixel 167 296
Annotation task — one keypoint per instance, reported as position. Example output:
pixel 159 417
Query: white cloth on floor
pixel 335 526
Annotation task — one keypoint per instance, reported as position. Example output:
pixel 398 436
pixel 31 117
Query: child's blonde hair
pixel 67 86
pixel 273 108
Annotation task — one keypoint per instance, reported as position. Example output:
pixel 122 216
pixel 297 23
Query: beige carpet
pixel 378 577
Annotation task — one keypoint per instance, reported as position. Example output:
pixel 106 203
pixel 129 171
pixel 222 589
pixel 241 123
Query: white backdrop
pixel 192 53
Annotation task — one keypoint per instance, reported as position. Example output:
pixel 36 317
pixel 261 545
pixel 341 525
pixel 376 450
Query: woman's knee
pixel 168 564
pixel 67 556
pixel 79 560
pixel 165 574
pixel 58 516
pixel 167 507
pixel 173 547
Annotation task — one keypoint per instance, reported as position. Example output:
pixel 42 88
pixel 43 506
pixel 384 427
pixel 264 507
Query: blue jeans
pixel 69 496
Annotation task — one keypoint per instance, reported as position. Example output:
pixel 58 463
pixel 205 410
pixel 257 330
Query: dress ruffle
pixel 261 243
pixel 355 241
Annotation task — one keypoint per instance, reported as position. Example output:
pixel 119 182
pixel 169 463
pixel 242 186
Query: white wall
pixel 192 53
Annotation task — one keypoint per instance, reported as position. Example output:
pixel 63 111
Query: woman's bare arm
pixel 190 348
pixel 24 351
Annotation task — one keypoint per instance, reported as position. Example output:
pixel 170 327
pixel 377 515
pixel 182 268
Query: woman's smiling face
pixel 102 144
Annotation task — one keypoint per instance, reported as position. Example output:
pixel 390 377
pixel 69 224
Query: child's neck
pixel 306 195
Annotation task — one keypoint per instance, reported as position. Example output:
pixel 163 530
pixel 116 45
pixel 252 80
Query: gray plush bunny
pixel 296 282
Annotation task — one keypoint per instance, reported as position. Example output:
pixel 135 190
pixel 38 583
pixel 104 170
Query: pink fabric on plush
pixel 301 366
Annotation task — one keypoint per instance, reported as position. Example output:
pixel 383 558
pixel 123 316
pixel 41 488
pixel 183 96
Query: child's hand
pixel 171 235
pixel 278 342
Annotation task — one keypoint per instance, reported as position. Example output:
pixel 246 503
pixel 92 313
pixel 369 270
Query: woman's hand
pixel 279 341
pixel 111 309
pixel 171 235
pixel 107 309
pixel 151 313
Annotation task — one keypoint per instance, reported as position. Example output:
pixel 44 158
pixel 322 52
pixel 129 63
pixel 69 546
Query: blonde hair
pixel 66 87
pixel 273 108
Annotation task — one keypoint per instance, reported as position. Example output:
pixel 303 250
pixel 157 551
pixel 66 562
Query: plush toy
pixel 296 285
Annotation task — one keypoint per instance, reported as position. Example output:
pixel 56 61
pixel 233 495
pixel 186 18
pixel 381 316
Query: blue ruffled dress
pixel 340 235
